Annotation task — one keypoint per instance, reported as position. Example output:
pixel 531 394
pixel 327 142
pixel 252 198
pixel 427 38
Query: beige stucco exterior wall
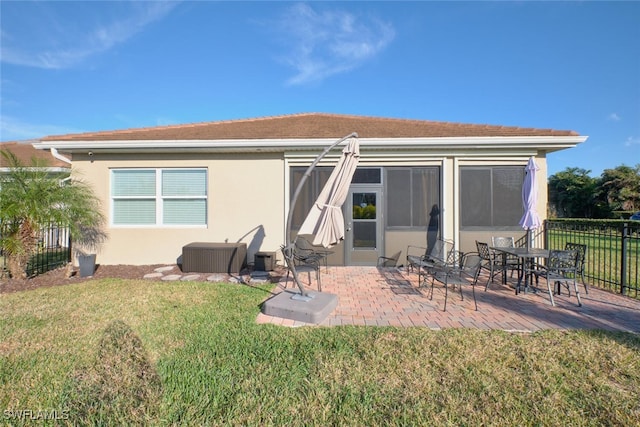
pixel 245 204
pixel 247 201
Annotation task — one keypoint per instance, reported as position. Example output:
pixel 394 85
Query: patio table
pixel 526 255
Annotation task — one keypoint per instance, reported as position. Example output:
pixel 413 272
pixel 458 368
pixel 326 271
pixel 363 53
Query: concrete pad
pixel 313 311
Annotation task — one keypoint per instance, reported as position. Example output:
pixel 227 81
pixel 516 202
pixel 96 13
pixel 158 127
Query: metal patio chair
pixel 305 249
pixel 423 259
pixel 490 261
pixel 561 270
pixel 463 271
pixel 303 263
pixel 508 262
pixel 389 261
pixel 581 259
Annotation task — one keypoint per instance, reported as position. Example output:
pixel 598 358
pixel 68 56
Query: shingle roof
pixel 310 125
pixel 25 152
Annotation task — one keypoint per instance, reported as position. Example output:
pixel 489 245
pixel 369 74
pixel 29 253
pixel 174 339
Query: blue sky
pixel 85 66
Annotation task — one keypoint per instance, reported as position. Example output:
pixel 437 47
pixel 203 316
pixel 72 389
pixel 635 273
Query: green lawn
pixel 119 352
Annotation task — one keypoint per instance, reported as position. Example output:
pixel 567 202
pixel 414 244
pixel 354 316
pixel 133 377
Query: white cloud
pixel 631 141
pixel 614 117
pixel 326 43
pixel 55 40
pixel 13 129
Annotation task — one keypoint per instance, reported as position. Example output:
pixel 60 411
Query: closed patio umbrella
pixel 325 220
pixel 530 220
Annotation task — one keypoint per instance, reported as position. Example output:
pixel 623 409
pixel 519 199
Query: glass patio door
pixel 363 225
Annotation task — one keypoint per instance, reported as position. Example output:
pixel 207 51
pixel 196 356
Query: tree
pixel 620 188
pixel 572 193
pixel 31 198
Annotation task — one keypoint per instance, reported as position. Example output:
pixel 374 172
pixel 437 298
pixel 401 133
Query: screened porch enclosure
pixel 398 201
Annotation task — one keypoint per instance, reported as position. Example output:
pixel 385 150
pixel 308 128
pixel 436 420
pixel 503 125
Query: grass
pixel 120 352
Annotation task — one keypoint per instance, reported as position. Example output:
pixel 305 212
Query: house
pixel 25 153
pixel 232 181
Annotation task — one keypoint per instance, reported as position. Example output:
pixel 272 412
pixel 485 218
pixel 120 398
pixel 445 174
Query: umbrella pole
pixel 294 200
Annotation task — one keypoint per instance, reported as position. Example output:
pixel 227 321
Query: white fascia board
pixel 546 143
pixel 186 145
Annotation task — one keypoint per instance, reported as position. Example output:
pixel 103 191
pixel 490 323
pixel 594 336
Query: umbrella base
pixel 292 305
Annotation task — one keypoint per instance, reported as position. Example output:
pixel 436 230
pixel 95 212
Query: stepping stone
pixel 234 279
pixel 260 280
pixel 171 277
pixel 190 277
pixel 163 269
pixel 152 275
pixel 217 278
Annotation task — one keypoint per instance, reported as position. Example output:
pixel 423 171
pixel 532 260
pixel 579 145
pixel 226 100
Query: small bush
pixel 122 385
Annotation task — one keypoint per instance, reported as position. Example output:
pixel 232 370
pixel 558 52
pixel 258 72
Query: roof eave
pixel 545 143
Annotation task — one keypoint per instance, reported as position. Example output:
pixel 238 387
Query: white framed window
pixel 159 197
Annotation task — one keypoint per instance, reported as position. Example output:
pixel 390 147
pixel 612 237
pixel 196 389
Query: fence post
pixel 69 249
pixel 623 261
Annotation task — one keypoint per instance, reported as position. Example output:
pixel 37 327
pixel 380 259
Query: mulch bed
pixel 59 277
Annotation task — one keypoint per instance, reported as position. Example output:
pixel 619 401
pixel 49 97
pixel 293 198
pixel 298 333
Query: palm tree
pixel 32 198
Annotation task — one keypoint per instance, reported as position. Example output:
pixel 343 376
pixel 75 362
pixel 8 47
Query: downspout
pixel 55 154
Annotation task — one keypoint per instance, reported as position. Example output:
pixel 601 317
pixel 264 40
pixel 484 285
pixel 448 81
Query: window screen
pixel 413 197
pixel 491 197
pixel 309 192
pixel 367 176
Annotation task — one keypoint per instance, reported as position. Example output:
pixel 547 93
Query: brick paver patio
pixel 391 297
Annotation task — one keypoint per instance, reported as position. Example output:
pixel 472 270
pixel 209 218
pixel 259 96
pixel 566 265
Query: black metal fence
pixel 612 263
pixel 613 250
pixel 54 250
